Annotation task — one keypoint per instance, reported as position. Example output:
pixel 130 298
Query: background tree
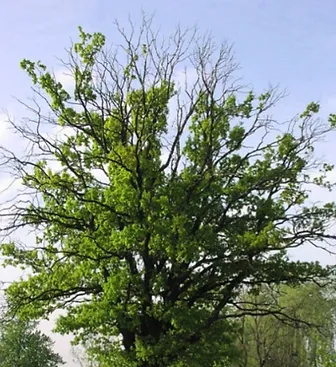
pixel 22 345
pixel 163 201
pixel 81 358
pixel 302 334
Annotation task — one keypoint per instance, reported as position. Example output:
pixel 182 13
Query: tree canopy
pixel 303 334
pixel 22 345
pixel 170 192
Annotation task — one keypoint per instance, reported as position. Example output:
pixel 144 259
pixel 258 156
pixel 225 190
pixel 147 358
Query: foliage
pixel 301 334
pixel 168 198
pixel 21 345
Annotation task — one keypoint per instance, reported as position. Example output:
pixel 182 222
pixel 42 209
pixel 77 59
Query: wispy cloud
pixel 65 77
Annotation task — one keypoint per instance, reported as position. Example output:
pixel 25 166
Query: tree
pixel 81 358
pixel 303 335
pixel 21 345
pixel 168 198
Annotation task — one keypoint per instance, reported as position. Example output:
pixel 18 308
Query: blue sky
pixel 288 42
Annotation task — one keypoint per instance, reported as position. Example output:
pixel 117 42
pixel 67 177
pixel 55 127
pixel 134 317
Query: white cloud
pixel 9 118
pixel 8 187
pixel 60 133
pixel 65 77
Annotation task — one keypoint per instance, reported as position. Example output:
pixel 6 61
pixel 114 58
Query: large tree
pixel 173 191
pixel 22 345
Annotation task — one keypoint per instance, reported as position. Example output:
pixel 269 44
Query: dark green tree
pixel 22 345
pixel 168 198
